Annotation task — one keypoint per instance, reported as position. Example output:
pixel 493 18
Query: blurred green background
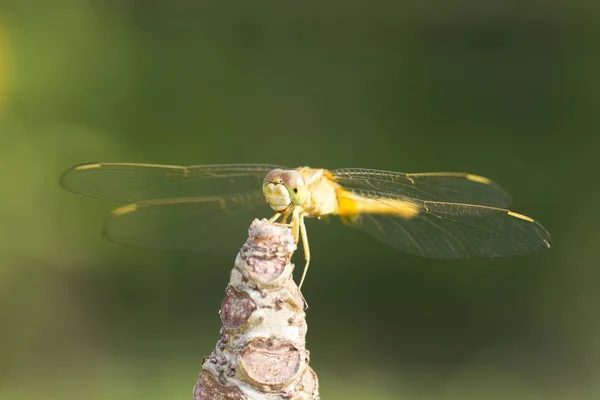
pixel 505 89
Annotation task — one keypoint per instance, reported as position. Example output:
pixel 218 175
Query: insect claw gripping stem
pixel 262 350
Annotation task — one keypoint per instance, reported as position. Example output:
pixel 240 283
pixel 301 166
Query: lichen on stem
pixel 262 350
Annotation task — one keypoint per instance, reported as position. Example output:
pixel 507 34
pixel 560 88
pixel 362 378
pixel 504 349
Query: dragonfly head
pixel 284 188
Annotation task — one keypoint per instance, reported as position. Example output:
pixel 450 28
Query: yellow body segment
pixel 353 204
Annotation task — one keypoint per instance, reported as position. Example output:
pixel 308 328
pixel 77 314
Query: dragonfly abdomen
pixel 355 204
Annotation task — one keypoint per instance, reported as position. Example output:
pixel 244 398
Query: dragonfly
pixel 431 214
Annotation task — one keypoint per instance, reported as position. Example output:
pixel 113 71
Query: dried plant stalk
pixel 262 350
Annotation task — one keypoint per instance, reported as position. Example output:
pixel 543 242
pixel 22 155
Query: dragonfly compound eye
pixel 294 182
pixel 273 176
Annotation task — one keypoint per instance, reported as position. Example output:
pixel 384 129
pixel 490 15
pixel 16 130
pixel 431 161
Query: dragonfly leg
pixel 297 218
pixel 305 247
pixel 283 222
pixel 275 217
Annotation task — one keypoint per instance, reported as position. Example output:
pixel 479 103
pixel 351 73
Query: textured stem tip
pixel 262 350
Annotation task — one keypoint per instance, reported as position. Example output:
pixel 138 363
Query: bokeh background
pixel 505 89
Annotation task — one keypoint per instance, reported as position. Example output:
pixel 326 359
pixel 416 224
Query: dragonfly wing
pixel 449 230
pixel 132 183
pixel 453 187
pixel 196 223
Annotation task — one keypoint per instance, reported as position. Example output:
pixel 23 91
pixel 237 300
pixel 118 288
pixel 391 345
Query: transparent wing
pixel 131 183
pixel 451 187
pixel 195 223
pixel 450 230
